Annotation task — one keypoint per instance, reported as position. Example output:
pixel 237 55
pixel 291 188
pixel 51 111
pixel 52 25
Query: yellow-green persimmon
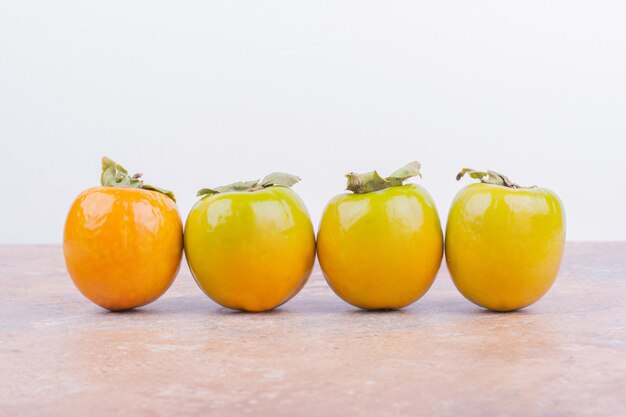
pixel 250 245
pixel 380 245
pixel 504 243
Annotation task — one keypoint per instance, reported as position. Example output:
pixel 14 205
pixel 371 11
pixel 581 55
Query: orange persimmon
pixel 123 241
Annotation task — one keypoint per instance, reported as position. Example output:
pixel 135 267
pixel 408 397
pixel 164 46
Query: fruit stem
pixel 115 175
pixel 281 179
pixel 371 181
pixel 489 177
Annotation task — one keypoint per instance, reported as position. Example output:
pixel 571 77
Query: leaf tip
pixel 205 191
pixel 280 178
pixel 462 173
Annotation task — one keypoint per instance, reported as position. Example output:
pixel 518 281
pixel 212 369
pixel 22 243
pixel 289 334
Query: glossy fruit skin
pixel 381 250
pixel 504 246
pixel 250 251
pixel 123 246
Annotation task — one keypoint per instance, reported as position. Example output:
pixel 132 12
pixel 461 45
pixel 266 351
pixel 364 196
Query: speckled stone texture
pixel 316 356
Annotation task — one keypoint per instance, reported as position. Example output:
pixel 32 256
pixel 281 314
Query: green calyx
pixel 281 179
pixel 115 175
pixel 372 181
pixel 489 177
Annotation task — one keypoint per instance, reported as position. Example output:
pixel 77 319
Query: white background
pixel 202 93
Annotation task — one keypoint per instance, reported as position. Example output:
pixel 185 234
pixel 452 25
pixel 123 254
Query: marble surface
pixel 315 356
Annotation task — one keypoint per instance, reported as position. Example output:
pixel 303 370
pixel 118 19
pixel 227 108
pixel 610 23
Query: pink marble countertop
pixel 317 356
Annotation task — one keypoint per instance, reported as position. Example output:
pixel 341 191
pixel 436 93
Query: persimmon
pixel 381 245
pixel 504 242
pixel 250 245
pixel 123 241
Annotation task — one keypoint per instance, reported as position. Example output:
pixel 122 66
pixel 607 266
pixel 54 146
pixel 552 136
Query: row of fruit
pixel 251 245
